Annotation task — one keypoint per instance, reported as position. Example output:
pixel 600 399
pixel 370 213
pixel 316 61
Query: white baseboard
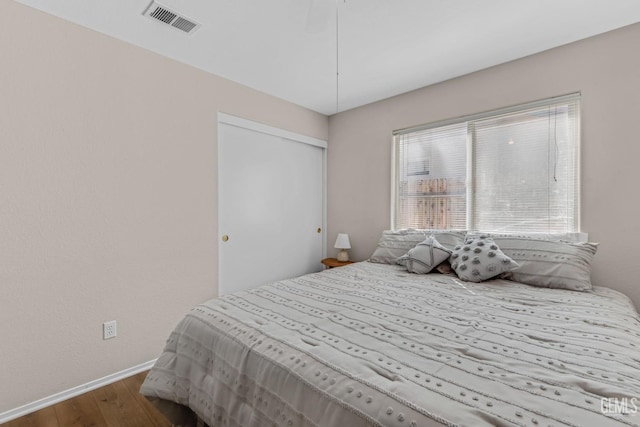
pixel 72 392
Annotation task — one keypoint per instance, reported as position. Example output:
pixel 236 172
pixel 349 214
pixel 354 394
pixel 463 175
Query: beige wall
pixel 603 68
pixel 107 198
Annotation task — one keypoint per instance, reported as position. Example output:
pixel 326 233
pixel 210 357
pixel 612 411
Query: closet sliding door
pixel 271 204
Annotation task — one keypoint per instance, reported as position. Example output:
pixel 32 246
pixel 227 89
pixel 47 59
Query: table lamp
pixel 342 243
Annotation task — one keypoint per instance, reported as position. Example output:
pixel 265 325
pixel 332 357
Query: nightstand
pixel 332 262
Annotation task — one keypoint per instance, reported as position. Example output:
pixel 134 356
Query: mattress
pixel 372 345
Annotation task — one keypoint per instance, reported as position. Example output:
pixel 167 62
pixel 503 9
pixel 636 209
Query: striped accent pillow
pixel 426 256
pixel 548 263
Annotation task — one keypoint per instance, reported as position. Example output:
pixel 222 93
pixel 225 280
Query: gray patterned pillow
pixel 578 237
pixel 395 243
pixel 425 256
pixel 480 259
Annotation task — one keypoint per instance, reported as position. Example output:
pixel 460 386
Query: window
pixel 509 170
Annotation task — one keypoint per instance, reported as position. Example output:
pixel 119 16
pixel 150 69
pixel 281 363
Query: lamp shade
pixel 342 242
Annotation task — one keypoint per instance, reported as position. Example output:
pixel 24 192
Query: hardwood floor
pixel 114 405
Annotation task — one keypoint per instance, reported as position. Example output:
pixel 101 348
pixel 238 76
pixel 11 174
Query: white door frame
pixel 224 118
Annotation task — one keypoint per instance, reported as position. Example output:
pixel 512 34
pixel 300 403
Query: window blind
pixel 526 171
pixel 432 178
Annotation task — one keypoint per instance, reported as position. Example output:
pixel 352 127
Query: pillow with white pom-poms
pixel 480 259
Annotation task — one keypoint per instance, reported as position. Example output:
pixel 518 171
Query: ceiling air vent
pixel 167 16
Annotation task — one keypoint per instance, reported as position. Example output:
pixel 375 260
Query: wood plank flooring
pixel 114 405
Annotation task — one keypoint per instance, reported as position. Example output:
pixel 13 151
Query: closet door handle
pixel 319 230
pixel 225 238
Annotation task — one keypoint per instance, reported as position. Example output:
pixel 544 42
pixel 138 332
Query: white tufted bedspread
pixel 370 344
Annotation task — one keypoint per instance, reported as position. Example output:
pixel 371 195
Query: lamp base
pixel 343 255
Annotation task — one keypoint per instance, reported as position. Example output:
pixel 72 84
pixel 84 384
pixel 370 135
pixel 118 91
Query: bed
pixel 371 344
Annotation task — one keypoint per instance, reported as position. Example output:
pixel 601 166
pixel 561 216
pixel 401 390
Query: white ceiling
pixel 384 48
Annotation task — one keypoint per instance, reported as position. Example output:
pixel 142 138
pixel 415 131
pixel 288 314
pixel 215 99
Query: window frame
pixel 547 102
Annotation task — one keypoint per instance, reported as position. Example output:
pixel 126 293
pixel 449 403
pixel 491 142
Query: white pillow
pixel 549 263
pixel 567 237
pixel 425 256
pixel 480 259
pixel 449 238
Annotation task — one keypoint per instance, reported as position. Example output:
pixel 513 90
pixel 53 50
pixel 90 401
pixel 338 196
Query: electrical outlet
pixel 109 330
